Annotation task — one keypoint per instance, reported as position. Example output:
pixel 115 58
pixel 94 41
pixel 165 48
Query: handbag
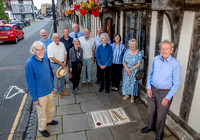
pixel 140 74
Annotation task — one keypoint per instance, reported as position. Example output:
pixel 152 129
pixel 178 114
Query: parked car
pixel 18 23
pixel 26 22
pixel 11 32
pixel 3 21
pixel 40 17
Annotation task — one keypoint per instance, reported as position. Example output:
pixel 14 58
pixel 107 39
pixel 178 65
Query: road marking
pixel 17 118
pixel 7 94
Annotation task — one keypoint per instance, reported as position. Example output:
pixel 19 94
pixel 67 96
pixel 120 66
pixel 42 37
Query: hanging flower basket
pixel 91 6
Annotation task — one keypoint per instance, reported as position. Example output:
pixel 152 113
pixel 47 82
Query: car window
pixel 5 28
pixel 15 27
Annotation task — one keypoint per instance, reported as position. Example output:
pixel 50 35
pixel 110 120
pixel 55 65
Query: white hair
pixel 106 35
pixel 34 45
pixel 166 41
pixel 74 25
pixel 76 39
pixel 133 40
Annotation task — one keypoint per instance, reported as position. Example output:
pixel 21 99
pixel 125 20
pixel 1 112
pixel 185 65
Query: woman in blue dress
pixel 131 62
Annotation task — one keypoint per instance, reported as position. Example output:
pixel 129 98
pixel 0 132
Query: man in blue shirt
pixel 67 41
pixel 41 87
pixel 45 40
pixel 76 33
pixel 163 82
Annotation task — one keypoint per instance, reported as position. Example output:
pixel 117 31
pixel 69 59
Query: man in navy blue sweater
pixel 41 86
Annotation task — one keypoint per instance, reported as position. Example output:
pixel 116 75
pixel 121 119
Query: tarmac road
pixel 12 78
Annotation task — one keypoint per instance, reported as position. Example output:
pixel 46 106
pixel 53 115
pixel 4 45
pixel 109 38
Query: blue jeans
pixel 55 67
pixel 87 64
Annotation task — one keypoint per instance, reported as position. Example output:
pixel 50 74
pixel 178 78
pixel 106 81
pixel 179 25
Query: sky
pixel 39 2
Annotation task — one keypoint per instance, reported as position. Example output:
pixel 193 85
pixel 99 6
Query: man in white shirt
pixel 58 55
pixel 88 45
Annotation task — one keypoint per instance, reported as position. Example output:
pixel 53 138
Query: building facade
pixel 22 9
pixel 150 22
pixel 8 9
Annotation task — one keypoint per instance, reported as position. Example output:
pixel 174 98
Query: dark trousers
pixel 156 113
pixel 76 72
pixel 97 75
pixel 105 74
pixel 116 74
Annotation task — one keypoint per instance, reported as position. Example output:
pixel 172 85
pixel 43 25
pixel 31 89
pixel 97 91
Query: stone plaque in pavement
pixel 86 97
pixel 92 105
pixel 99 134
pixel 49 138
pixel 78 122
pixel 105 118
pixel 73 136
pixel 66 100
pixel 68 109
pixel 53 129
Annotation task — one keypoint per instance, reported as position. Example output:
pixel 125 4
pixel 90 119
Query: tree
pixel 3 15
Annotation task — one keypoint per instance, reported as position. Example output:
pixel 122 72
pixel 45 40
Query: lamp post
pixel 54 17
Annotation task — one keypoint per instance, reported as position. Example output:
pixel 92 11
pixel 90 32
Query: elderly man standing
pixel 76 33
pixel 58 55
pixel 88 46
pixel 39 80
pixel 45 40
pixel 163 82
pixel 67 41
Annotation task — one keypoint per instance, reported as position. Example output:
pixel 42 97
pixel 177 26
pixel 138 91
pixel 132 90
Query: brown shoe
pixel 89 84
pixel 83 84
pixel 59 95
pixel 64 91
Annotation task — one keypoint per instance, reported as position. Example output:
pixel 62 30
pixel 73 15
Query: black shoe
pixel 100 89
pixel 107 90
pixel 158 138
pixel 53 122
pixel 71 80
pixel 96 82
pixel 45 133
pixel 145 130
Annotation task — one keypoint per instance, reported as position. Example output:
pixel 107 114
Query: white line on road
pixel 7 94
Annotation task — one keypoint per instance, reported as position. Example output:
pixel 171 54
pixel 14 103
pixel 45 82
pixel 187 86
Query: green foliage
pixel 3 15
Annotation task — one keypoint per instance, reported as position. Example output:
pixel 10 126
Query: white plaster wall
pixel 166 32
pixel 121 24
pixel 152 39
pixel 182 56
pixel 195 111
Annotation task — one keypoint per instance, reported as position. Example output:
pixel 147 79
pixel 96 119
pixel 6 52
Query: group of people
pixel 79 51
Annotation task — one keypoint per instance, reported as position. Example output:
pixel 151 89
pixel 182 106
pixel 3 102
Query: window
pixel 89 21
pixel 5 28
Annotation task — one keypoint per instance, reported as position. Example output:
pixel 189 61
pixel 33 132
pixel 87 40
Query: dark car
pixel 40 17
pixel 26 22
pixel 18 23
pixel 3 21
pixel 11 32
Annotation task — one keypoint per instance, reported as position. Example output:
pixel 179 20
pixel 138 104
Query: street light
pixel 54 17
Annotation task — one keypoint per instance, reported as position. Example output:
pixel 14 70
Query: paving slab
pixel 66 100
pixel 78 122
pixel 73 136
pixel 86 97
pixel 84 90
pixel 99 134
pixel 68 109
pixel 91 106
pixel 53 129
pixel 131 131
pixel 49 138
pixel 55 100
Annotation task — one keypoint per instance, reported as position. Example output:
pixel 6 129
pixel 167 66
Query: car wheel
pixel 16 40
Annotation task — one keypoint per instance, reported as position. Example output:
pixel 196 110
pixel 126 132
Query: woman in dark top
pixel 75 64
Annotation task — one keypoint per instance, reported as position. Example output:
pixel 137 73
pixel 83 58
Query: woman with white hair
pixel 131 62
pixel 104 60
pixel 76 64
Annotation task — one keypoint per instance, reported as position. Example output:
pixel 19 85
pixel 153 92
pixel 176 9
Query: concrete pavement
pixel 75 121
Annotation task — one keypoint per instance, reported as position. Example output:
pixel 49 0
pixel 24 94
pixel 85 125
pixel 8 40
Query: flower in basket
pixel 83 8
pixel 76 7
pixel 70 12
pixel 64 12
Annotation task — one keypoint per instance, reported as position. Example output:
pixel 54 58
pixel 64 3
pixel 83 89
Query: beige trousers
pixel 45 111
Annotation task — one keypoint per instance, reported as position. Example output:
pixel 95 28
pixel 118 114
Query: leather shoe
pixel 54 122
pixel 59 95
pixel 145 130
pixel 96 82
pixel 45 133
pixel 158 138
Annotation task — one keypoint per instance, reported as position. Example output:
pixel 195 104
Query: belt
pixel 161 89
